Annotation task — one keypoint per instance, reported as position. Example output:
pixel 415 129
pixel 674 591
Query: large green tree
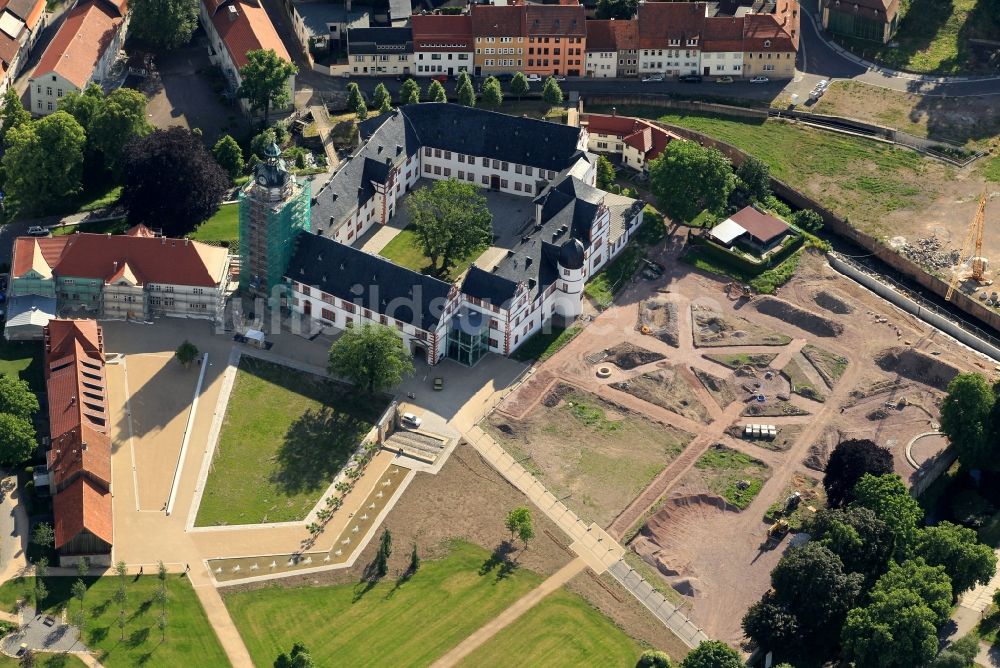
pixel 436 92
pixel 956 548
pixel 171 181
pixel 17 440
pixel 381 99
pixel 12 114
pixel 229 155
pixel 466 93
pixel 410 92
pixel 895 631
pixel 16 397
pixel 965 420
pixel 119 118
pixel 370 356
pixel 43 163
pixel 164 23
pixel 687 178
pixel 492 93
pixel 356 101
pixel 551 92
pixel 519 85
pixel 617 9
pixel 605 173
pixel 849 461
pixel 265 81
pixel 856 535
pixel 931 583
pixel 83 106
pixel 712 654
pixel 451 220
pixel 888 498
pixel 754 177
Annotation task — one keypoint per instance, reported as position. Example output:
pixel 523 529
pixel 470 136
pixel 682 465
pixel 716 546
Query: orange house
pixel 556 40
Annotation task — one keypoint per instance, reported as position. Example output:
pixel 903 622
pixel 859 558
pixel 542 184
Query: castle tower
pixel 274 208
pixel 573 274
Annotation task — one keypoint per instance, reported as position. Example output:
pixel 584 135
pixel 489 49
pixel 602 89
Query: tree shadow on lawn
pixel 315 448
pixel 500 561
pixel 369 579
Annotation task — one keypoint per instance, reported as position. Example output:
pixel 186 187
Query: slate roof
pixel 450 127
pixel 368 280
pixel 488 287
pixel 317 16
pixel 373 41
pixel 29 311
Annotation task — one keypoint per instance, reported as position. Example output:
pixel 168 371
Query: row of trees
pixel 491 93
pixel 872 581
pixel 688 178
pixel 708 654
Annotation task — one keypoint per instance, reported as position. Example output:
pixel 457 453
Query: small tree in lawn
pixel 466 93
pixel 519 85
pixel 356 101
pixel 492 94
pixel 381 98
pixel 82 567
pixel 371 356
pixel 161 597
pixel 384 552
pixel 551 92
pixel 652 658
pixel 410 92
pixel 436 92
pixel 43 535
pixel 298 658
pixel 186 353
pixel 121 594
pixel 526 530
pixel 229 155
pixel 79 591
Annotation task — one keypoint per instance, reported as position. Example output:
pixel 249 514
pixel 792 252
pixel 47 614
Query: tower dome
pixel 571 254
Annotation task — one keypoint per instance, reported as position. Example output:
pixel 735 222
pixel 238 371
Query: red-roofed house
pixel 670 37
pixel 771 41
pixel 82 52
pixel 722 46
pixel 865 19
pixel 134 275
pixel 499 32
pixel 234 28
pixel 556 36
pixel 627 41
pixel 634 139
pixel 602 49
pixel 442 43
pixel 21 21
pixel 79 456
pixel 758 230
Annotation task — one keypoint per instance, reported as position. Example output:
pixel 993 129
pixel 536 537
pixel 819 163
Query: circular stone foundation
pixel 923 447
pixel 603 371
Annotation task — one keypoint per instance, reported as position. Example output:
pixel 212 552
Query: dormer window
pixel 767 44
pixel 693 41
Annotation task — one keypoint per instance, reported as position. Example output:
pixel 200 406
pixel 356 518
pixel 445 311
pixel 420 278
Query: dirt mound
pixel 660 316
pixel 833 302
pixel 803 319
pixel 917 366
pixel 627 356
pixel 713 328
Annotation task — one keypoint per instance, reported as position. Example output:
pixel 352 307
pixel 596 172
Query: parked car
pixel 534 77
pixel 443 78
pixel 410 420
pixel 689 78
pixel 724 80
pixel 37 231
pixel 558 77
pixel 823 85
pixel 438 383
pixel 650 78
pixel 759 79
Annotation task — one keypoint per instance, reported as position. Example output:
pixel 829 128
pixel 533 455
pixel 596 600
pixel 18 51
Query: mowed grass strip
pixel 190 640
pixel 224 225
pixel 404 249
pixel 23 359
pixel 562 631
pixel 410 623
pixel 285 437
pixel 45 660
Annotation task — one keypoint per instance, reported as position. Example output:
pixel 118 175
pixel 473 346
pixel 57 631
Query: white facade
pixel 383 63
pixel 602 64
pixel 674 61
pixel 721 63
pixel 443 62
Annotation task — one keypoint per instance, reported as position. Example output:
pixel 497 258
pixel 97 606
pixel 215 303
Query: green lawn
pixel 562 631
pixel 991 169
pixel 113 226
pixel 860 179
pixel 393 624
pixel 190 639
pixel 285 437
pixel 24 360
pixel 223 226
pixel 724 470
pixel 404 249
pixel 932 37
pixel 45 661
pixel 544 345
pixel 603 287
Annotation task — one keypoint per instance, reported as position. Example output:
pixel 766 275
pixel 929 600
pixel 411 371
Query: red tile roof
pixel 67 457
pixel 637 133
pixel 28 11
pixel 103 256
pixel 627 34
pixel 82 507
pixel 601 35
pixel 877 10
pixel 555 20
pixel 723 34
pixel 660 22
pixel 764 32
pixel 248 29
pixel 84 35
pixel 436 32
pixel 62 337
pixel 498 21
pixel 762 226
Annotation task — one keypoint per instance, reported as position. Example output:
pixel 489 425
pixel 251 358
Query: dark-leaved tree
pixel 966 420
pixel 171 181
pixel 849 461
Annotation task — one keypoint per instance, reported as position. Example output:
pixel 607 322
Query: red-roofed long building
pixel 79 456
pixel 82 52
pixel 634 139
pixel 442 44
pixel 134 275
pixel 236 27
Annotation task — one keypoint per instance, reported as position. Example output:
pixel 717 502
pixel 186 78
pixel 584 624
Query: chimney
pixel 115 263
pixel 186 241
pixel 614 111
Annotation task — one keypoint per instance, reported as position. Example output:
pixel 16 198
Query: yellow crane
pixel 972 249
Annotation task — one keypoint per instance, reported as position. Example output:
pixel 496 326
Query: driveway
pixel 43 633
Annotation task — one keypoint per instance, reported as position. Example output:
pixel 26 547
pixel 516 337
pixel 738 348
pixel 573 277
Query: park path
pixel 222 624
pixel 512 613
